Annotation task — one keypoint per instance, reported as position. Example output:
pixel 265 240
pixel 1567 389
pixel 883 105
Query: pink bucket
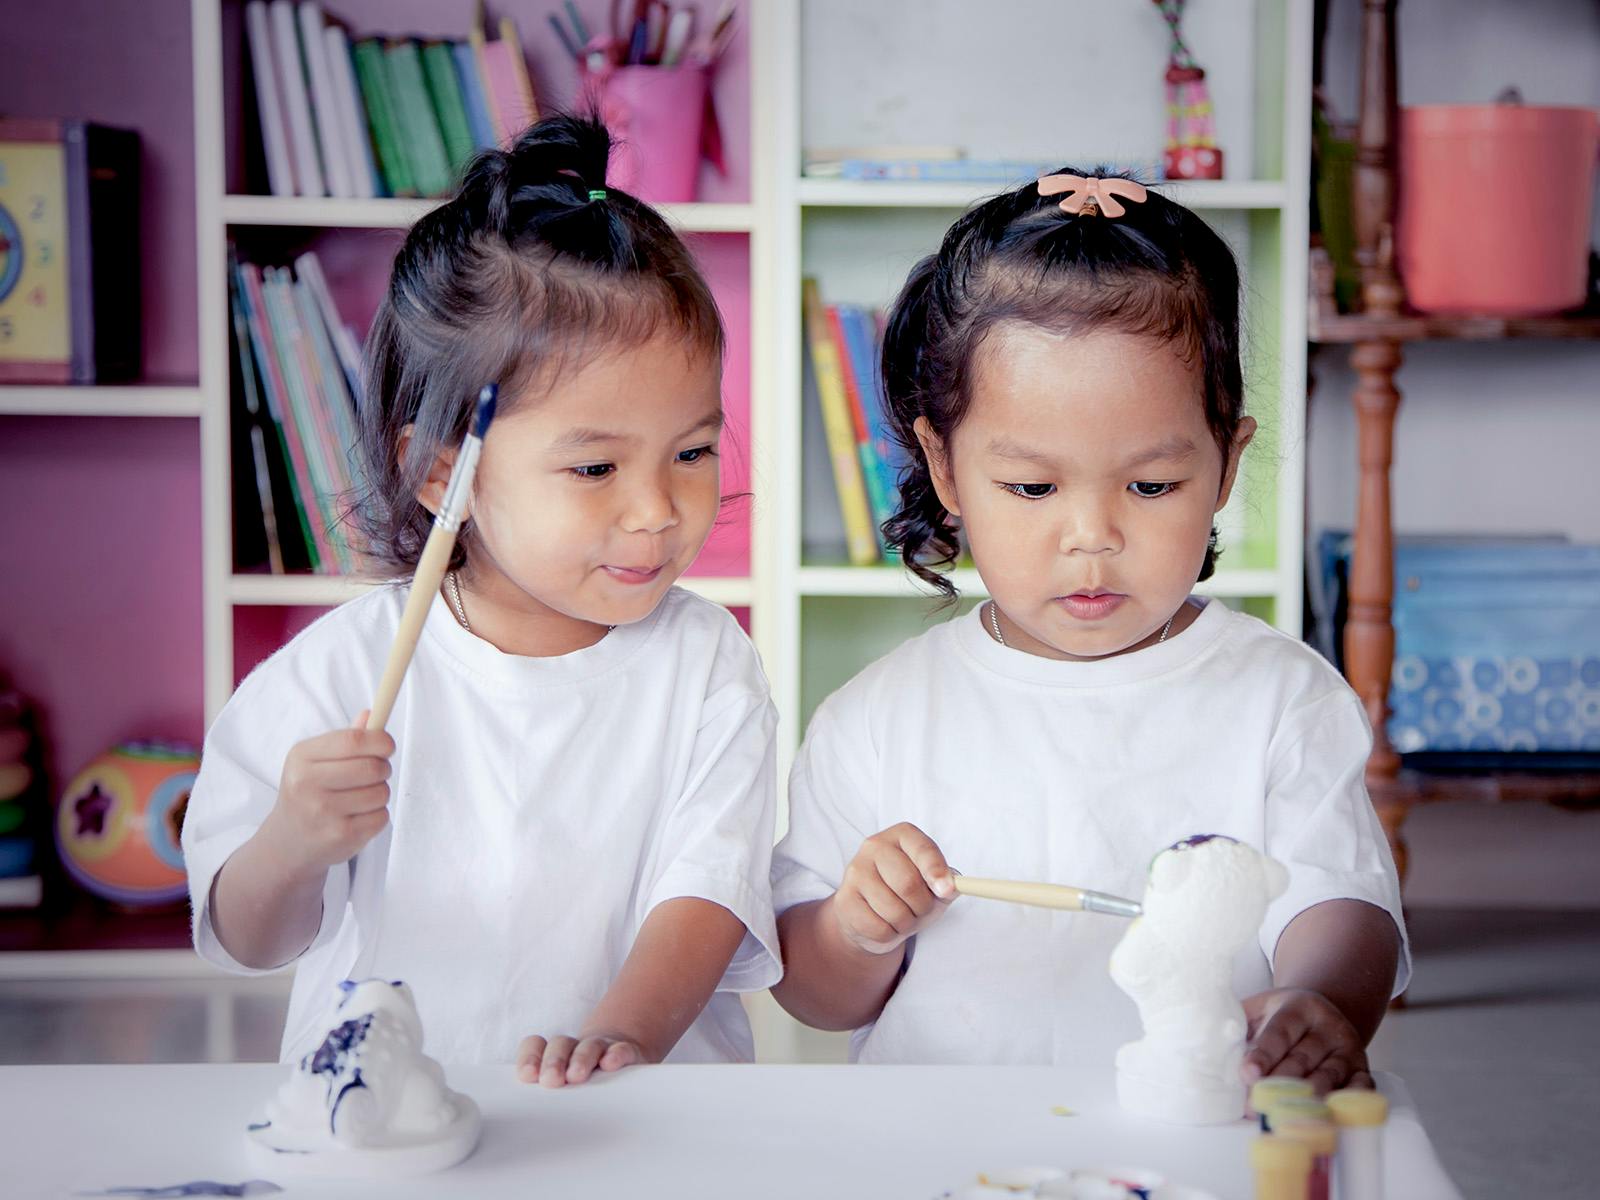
pixel 656 115
pixel 1494 207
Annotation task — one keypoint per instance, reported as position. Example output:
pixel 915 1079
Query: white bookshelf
pixel 391 213
pixel 101 400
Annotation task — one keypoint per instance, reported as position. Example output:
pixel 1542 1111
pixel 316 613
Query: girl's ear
pixel 933 449
pixel 431 494
pixel 1230 470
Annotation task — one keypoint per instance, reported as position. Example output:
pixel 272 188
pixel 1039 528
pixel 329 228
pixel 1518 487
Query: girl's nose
pixel 1090 529
pixel 650 509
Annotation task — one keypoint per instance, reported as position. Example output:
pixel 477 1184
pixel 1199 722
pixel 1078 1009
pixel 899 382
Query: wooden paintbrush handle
pixel 424 586
pixel 1038 895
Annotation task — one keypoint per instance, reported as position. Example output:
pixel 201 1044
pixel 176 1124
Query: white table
pixel 744 1132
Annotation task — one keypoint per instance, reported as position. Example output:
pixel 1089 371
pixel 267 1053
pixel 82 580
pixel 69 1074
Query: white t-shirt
pixel 1022 767
pixel 540 809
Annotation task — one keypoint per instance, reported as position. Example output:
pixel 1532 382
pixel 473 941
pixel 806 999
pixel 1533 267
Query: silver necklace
pixel 452 594
pixel 452 590
pixel 994 624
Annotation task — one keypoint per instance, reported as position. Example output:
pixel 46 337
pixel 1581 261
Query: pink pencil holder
pixel 1494 207
pixel 656 116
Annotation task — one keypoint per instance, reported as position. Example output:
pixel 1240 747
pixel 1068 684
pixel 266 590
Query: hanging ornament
pixel 1192 151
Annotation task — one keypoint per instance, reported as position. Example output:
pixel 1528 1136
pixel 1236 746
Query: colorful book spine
pixel 506 78
pixel 420 128
pixel 269 101
pixel 311 419
pixel 308 269
pixel 477 104
pixel 282 416
pixel 861 333
pixel 372 72
pixel 352 116
pixel 839 427
pixel 253 418
pixel 444 90
pixel 296 99
pixel 871 476
pixel 324 108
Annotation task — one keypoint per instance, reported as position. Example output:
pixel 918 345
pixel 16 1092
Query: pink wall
pixel 126 63
pixel 100 605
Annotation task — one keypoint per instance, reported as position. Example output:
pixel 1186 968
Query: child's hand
pixel 556 1062
pixel 897 884
pixel 334 794
pixel 1301 1035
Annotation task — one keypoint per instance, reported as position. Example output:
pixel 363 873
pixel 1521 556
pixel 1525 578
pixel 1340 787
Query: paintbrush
pixel 1047 895
pixel 435 559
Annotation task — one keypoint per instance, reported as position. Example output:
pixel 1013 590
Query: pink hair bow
pixel 1092 195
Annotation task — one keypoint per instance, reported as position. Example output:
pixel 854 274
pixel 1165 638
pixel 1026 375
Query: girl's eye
pixel 695 455
pixel 1150 490
pixel 1030 491
pixel 594 470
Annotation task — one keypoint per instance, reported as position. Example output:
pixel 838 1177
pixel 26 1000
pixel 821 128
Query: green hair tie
pixel 597 193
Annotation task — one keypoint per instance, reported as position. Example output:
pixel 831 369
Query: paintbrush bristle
pixel 487 398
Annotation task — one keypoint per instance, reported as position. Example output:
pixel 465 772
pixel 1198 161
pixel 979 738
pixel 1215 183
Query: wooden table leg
pixel 1369 632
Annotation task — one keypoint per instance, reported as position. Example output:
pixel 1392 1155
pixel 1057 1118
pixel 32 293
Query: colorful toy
pixel 118 823
pixel 1192 151
pixel 21 796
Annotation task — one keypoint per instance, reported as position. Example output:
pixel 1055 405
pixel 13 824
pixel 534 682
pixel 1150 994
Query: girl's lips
pixel 1091 608
pixel 633 574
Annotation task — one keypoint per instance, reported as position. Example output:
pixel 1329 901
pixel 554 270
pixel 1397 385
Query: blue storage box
pixel 1497 645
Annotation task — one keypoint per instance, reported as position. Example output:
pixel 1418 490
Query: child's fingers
pixel 557 1054
pixel 885 903
pixel 902 875
pixel 349 743
pixel 929 859
pixel 530 1055
pixel 860 924
pixel 619 1055
pixel 354 802
pixel 345 774
pixel 1336 1071
pixel 1281 1031
pixel 585 1058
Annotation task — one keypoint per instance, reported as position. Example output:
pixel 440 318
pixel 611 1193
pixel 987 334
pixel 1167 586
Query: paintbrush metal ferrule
pixel 466 464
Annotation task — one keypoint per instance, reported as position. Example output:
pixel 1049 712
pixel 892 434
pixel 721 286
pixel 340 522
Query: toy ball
pixel 118 823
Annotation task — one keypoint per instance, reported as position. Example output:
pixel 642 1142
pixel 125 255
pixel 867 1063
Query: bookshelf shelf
pixel 315 591
pixel 109 400
pixel 1215 196
pixel 391 213
pixel 891 581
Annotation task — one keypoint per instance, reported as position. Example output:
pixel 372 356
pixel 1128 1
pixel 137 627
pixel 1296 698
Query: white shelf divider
pixel 102 400
pixel 398 213
pixel 1218 195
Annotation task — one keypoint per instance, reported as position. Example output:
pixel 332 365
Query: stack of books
pixel 377 116
pixel 845 341
pixel 296 387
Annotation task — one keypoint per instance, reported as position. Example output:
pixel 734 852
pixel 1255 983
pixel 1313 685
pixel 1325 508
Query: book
pixel 418 126
pixel 270 113
pixel 960 170
pixel 296 99
pixel 505 74
pixel 364 176
pixel 861 336
pixel 444 90
pixel 324 107
pixel 255 524
pixel 308 269
pixel 477 104
pixel 839 427
pixel 261 341
pixel 871 477
pixel 372 73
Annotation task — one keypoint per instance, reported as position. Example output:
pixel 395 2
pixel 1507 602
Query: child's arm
pixel 1332 975
pixel 679 957
pixel 266 901
pixel 842 955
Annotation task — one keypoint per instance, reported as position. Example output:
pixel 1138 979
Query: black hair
pixel 532 267
pixel 1158 270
